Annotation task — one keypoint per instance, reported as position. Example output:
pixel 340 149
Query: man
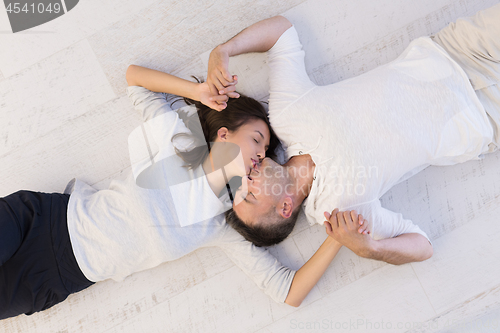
pixel 350 142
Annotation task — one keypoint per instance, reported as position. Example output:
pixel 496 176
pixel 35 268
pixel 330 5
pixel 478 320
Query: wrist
pixel 225 49
pixel 373 250
pixel 196 91
pixel 332 242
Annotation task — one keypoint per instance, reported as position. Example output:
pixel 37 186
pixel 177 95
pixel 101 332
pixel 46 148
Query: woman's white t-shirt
pixel 129 228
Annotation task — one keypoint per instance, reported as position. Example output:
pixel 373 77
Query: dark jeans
pixel 37 266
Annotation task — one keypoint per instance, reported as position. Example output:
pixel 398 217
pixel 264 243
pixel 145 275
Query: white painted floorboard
pixel 64 113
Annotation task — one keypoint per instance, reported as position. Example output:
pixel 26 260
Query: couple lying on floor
pixel 345 145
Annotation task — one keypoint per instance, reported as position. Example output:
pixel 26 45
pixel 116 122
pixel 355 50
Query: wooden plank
pixel 382 301
pixel 5 26
pixel 228 302
pixel 90 148
pixel 50 93
pixel 441 199
pixel 339 46
pixel 186 29
pixel 87 18
pixel 466 261
pixel 480 313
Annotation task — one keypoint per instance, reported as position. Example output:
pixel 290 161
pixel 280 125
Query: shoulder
pixel 288 41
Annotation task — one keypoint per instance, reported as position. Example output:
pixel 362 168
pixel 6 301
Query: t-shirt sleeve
pixel 148 103
pixel 154 140
pixel 258 264
pixel 384 223
pixel 288 79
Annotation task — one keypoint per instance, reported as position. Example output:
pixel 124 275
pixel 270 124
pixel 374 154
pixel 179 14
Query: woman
pixel 57 244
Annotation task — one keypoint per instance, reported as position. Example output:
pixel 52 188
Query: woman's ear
pixel 222 134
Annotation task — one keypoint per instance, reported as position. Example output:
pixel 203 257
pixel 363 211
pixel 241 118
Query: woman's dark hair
pixel 205 123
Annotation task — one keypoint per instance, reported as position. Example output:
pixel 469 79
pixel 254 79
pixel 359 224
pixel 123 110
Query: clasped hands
pixel 351 230
pixel 220 84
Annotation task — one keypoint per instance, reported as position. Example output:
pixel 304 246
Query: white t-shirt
pixel 128 228
pixel 370 132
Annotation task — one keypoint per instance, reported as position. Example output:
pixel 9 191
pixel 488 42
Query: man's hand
pixel 220 81
pixel 216 102
pixel 259 37
pixel 345 228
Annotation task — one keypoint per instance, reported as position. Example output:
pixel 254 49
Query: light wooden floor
pixel 64 113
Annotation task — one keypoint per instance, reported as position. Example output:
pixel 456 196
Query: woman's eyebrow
pixel 260 133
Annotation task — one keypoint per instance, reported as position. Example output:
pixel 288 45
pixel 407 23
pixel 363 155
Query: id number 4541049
pixel 32 8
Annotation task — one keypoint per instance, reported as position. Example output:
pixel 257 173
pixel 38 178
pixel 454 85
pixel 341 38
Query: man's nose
pixel 249 183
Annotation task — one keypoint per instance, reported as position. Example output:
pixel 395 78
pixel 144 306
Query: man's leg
pixel 474 43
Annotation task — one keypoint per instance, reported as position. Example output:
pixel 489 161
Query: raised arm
pixel 158 81
pixel 258 37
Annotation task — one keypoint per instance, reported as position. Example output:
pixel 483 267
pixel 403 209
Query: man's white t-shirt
pixel 370 132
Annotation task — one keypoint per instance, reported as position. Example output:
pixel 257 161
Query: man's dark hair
pixel 271 229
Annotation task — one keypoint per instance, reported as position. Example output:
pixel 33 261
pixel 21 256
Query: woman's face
pixel 252 138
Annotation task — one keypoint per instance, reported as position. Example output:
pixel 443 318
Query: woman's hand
pixel 216 102
pixel 346 228
pixel 219 80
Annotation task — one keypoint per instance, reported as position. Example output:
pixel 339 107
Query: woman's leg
pixel 10 232
pixel 42 271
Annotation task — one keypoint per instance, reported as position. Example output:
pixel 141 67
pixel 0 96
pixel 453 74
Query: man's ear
pixel 286 207
pixel 222 134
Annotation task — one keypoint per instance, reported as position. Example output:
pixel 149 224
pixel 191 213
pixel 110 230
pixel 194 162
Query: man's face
pixel 260 191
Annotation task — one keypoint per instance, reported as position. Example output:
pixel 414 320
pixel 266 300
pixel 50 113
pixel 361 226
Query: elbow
pixel 426 253
pixel 294 303
pixel 429 252
pixel 130 74
pixel 293 300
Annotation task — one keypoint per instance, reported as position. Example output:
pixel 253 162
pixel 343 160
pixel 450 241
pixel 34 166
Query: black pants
pixel 37 266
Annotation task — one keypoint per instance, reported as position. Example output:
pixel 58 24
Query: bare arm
pixel 163 82
pixel 309 274
pixel 258 37
pixel 402 249
pixel 399 250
